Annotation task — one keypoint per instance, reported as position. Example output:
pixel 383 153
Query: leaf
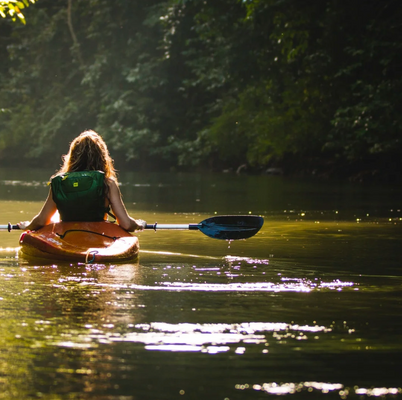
pixel 21 17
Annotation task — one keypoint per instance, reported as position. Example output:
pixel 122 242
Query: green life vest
pixel 80 196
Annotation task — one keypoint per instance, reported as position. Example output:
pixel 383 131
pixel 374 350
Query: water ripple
pixel 209 338
pixel 23 183
pixel 286 285
pixel 281 389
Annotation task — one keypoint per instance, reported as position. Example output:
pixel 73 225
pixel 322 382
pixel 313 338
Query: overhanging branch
pixel 76 46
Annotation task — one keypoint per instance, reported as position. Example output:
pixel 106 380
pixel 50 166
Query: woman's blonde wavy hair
pixel 88 152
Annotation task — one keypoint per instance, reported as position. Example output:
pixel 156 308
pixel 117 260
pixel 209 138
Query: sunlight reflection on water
pixel 204 338
pixel 23 183
pixel 281 389
pixel 288 285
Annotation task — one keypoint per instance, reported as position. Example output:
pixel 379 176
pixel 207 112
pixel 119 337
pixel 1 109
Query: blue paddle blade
pixel 231 227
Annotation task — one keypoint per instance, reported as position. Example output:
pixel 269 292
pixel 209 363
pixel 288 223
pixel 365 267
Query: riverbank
pixel 377 168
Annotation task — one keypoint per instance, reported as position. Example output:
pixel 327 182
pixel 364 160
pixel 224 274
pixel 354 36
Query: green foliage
pixel 204 83
pixel 369 122
pixel 274 109
pixel 13 9
pixel 263 129
pixel 320 86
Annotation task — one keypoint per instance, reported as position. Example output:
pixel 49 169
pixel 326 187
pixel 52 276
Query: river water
pixel 310 307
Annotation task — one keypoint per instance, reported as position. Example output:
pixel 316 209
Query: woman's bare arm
pixel 119 210
pixel 44 216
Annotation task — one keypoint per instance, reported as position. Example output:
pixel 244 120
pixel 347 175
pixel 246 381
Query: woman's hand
pixel 23 225
pixel 140 224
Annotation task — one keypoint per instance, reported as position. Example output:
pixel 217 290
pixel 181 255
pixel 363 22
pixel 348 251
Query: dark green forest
pixel 304 87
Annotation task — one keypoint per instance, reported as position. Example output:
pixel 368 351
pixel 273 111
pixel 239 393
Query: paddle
pixel 226 227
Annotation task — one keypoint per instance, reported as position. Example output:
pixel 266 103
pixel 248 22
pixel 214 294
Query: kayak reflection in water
pixel 85 188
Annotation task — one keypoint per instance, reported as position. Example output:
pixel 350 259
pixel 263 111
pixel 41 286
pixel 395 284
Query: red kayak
pixel 88 242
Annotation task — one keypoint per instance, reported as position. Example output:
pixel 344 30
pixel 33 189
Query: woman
pixel 85 188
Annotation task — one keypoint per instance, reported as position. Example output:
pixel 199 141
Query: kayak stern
pixel 87 242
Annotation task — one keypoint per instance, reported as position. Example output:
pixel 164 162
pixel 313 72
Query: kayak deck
pixel 87 242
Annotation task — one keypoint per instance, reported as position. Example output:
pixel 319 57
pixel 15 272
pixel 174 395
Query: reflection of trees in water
pixel 92 294
pixel 55 328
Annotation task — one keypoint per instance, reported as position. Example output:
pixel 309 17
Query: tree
pixel 70 70
pixel 207 83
